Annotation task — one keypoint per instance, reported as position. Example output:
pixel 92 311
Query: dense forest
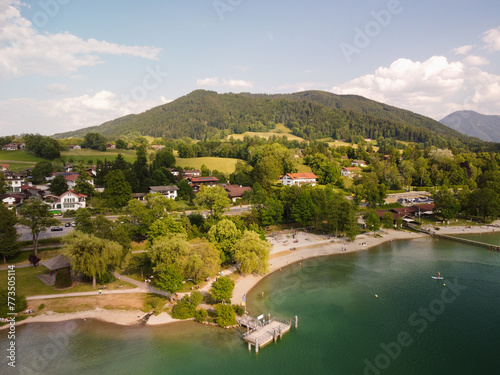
pixel 204 115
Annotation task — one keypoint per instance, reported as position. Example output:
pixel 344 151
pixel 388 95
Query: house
pixel 298 179
pixel 74 147
pixel 14 146
pixel 158 147
pixel 196 182
pixel 141 197
pixel 14 183
pixel 31 191
pixel 70 200
pixel 235 192
pixel 12 199
pixel 109 146
pixel 70 178
pixel 350 171
pixel 174 172
pixel 4 167
pixel 358 163
pixel 169 191
pixel 190 173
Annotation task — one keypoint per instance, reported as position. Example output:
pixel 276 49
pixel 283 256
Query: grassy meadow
pixel 280 130
pixel 225 165
pixel 18 160
pixel 87 155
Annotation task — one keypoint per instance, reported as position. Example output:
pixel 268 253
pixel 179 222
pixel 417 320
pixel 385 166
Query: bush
pixel 154 303
pixel 184 309
pixel 41 307
pixel 107 277
pixel 63 278
pixel 238 309
pixel 225 315
pixel 20 303
pixel 201 315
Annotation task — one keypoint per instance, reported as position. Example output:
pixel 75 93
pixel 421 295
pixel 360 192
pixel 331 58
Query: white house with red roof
pixel 70 201
pixel 70 178
pixel 350 171
pixel 290 179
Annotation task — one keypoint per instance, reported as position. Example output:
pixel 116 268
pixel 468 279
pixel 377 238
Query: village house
pixel 158 147
pixel 196 182
pixel 141 197
pixel 169 191
pixel 298 179
pixel 350 171
pixel 12 199
pixel 235 192
pixel 70 178
pixel 190 173
pixel 70 200
pixel 4 167
pixel 14 146
pixel 358 163
pixel 74 147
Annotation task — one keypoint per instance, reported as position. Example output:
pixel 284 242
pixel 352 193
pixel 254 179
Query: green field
pixel 18 160
pixel 280 130
pixel 225 165
pixel 86 155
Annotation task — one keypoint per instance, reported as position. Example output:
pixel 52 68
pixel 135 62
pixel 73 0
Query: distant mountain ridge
pixel 310 114
pixel 473 124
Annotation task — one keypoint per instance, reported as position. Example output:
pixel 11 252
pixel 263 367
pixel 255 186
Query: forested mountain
pixel 474 124
pixel 311 115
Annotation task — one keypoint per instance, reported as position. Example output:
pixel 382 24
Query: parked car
pixel 67 224
pixel 56 229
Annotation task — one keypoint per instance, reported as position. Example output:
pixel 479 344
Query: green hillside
pixel 309 115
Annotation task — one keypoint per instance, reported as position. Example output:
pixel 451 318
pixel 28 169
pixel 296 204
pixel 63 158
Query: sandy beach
pixel 308 246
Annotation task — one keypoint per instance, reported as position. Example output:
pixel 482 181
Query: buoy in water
pixel 376 295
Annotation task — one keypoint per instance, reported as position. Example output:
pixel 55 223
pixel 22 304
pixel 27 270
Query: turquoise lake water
pixel 416 325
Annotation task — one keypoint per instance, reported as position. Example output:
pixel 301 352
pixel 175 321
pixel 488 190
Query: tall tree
pixel 215 199
pixel 252 253
pixel 40 171
pixel 222 289
pixel 117 191
pixel 303 209
pixel 58 185
pixel 90 255
pixel 8 233
pixel 35 215
pixel 94 141
pixel 372 221
pixel 3 183
pixel 224 235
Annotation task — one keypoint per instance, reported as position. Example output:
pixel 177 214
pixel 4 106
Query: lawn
pixel 280 130
pixel 225 165
pixel 86 154
pixel 18 156
pixel 108 302
pixel 28 284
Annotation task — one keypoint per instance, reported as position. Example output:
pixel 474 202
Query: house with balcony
pixel 70 200
pixel 169 191
pixel 290 179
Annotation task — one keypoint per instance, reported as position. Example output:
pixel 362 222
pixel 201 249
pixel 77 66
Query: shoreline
pixel 308 246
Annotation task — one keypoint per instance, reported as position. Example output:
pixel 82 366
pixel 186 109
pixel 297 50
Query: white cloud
pixel 23 50
pixel 61 115
pixel 58 89
pixel 492 39
pixel 473 60
pixel 303 86
pixel 434 87
pixel 463 50
pixel 231 83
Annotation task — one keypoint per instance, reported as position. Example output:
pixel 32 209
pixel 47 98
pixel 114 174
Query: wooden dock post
pixel 249 347
pixel 296 321
pixel 256 345
pixel 275 337
pixel 281 333
pixel 268 317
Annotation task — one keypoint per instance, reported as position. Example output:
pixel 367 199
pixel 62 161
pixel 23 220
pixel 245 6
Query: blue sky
pixel 68 64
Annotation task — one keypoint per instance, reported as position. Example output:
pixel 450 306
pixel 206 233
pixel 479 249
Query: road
pixel 26 234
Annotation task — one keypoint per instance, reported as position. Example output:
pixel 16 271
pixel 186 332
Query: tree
pixel 226 316
pixel 163 227
pixel 214 198
pixel 6 301
pixel 372 221
pixel 94 141
pixel 3 183
pixel 169 251
pixel 224 235
pixel 121 144
pixel 82 184
pixel 90 255
pixel 185 190
pixel 83 221
pixel 446 204
pixel 202 260
pixel 35 215
pixel 117 191
pixel 222 289
pixel 164 158
pixel 40 171
pixel 252 253
pixel 388 221
pixel 272 211
pixel 8 233
pixel 58 186
pixel 303 209
pixel 170 279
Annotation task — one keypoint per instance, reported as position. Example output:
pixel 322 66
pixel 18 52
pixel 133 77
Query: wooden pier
pixel 454 238
pixel 260 333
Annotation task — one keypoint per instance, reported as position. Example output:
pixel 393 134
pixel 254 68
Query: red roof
pixel 296 176
pixel 201 180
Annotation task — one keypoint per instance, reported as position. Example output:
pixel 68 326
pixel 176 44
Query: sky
pixel 70 64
